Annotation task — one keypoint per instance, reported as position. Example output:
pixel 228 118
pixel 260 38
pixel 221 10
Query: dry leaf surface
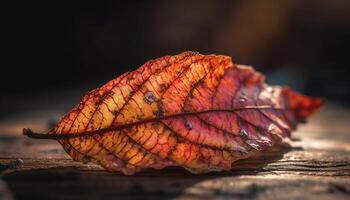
pixel 200 112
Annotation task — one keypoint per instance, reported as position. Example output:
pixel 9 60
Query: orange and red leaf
pixel 200 112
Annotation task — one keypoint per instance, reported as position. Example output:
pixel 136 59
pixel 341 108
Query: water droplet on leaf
pixel 149 96
pixel 243 98
pixel 188 125
pixel 243 133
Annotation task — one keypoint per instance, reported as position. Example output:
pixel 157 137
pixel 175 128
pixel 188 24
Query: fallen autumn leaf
pixel 200 112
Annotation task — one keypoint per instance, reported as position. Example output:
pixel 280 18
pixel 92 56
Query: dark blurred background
pixel 64 49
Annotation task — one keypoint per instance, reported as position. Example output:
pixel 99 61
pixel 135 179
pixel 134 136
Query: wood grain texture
pixel 315 164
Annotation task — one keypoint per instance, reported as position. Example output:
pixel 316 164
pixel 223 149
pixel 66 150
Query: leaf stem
pixel 28 132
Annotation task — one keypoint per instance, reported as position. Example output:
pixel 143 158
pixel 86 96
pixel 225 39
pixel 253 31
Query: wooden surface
pixel 314 164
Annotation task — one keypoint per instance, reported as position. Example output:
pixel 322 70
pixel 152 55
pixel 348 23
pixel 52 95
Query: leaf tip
pixel 304 106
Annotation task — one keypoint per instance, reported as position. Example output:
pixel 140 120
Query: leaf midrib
pixel 154 119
